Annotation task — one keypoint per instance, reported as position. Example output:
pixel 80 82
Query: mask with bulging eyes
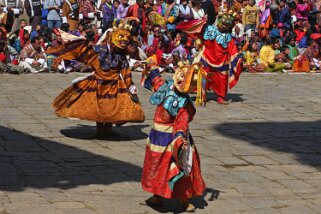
pixel 183 77
pixel 225 21
pixel 120 38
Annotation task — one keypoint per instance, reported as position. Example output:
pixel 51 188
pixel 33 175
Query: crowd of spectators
pixel 271 35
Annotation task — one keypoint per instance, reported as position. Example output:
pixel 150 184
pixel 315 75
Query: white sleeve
pixel 16 11
pixel 64 19
pixel 29 60
pixel 91 15
pixel 81 16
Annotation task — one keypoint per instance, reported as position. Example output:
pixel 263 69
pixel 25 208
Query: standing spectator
pixel 53 17
pixel 197 9
pixel 122 10
pixel 33 57
pixel 87 11
pixel 34 11
pixel 152 5
pixel 170 11
pixel 208 7
pixel 302 10
pixel 285 15
pixel 238 6
pixel 250 17
pixel 15 9
pixel 185 12
pixel 109 14
pixel 137 10
pixel 70 13
pixel 3 16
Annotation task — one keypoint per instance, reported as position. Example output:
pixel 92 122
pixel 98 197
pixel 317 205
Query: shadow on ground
pixel 29 161
pixel 303 139
pixel 230 97
pixel 173 206
pixel 122 133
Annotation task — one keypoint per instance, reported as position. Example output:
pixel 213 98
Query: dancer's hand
pixel 133 89
pixel 185 145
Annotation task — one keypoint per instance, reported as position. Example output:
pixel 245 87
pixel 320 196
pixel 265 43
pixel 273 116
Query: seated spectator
pixel 299 31
pixel 294 52
pixel 283 56
pixel 267 58
pixel 311 54
pixel 33 57
pixel 156 33
pixel 7 63
pixel 303 43
pixel 281 30
pixel 23 38
pixel 252 59
pixel 276 46
pixel 275 33
pixel 238 33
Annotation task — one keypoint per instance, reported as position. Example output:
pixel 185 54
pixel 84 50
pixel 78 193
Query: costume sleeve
pixel 127 77
pixel 71 51
pixel 210 32
pixel 153 80
pixel 181 131
pixel 181 123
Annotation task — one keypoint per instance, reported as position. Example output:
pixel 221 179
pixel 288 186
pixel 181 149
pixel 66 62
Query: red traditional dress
pixel 168 170
pixel 222 61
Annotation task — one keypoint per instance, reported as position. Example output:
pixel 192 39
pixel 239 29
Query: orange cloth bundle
pixel 301 64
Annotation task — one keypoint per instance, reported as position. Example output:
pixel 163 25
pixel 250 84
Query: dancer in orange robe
pixel 108 96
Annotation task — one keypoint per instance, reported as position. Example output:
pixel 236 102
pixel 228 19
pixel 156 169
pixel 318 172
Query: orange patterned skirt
pixel 105 100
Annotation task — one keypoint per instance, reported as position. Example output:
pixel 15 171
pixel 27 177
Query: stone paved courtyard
pixel 260 154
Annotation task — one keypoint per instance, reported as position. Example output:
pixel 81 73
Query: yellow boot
pixel 188 206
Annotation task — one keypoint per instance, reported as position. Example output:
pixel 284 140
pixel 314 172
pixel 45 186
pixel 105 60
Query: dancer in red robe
pixel 220 57
pixel 172 165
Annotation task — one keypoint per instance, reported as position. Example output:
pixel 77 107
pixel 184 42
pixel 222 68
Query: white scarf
pixel 183 10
